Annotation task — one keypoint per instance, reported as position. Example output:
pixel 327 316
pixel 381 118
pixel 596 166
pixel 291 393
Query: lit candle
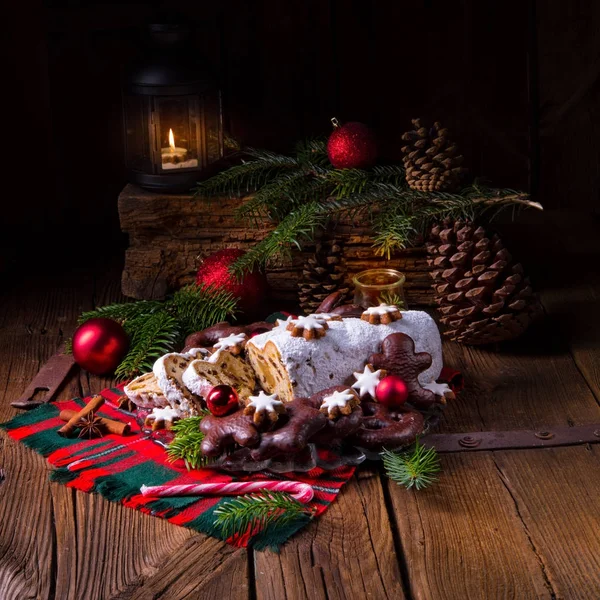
pixel 175 158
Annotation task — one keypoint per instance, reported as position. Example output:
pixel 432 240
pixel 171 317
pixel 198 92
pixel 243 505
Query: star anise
pixel 90 426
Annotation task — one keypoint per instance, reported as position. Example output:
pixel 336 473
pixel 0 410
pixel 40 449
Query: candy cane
pixel 303 492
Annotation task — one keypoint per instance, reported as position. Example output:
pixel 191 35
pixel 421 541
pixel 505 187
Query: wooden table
pixel 498 524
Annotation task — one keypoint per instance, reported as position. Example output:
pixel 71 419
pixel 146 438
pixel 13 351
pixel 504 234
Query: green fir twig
pixel 155 327
pixel 154 335
pixel 301 193
pixel 416 467
pixel 186 443
pixel 259 511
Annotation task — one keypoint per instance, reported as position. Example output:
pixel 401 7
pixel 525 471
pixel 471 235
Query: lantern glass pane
pixel 176 120
pixel 138 149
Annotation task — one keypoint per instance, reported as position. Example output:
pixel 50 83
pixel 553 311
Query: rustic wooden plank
pixel 168 234
pixel 26 528
pixel 348 553
pixel 202 568
pixel 556 492
pixel 463 537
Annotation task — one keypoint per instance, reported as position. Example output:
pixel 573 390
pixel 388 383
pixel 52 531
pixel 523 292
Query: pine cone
pixel 482 293
pixel 323 273
pixel 431 160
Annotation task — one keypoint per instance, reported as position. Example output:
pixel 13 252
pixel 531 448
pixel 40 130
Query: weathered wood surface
pixel 169 234
pixel 509 524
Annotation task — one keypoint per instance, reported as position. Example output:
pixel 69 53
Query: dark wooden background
pixel 516 81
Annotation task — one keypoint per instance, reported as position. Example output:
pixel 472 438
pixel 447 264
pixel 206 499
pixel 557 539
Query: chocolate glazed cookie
pixel 385 428
pixel 340 428
pixel 211 335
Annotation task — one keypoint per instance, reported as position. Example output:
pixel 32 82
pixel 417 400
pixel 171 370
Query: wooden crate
pixel 169 233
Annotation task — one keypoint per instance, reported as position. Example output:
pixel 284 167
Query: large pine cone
pixel 431 160
pixel 482 293
pixel 323 273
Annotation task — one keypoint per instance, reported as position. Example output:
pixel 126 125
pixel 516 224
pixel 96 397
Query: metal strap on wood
pixel 514 440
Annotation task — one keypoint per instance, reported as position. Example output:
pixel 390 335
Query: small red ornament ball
pixel 214 271
pixel 391 391
pixel 352 146
pixel 99 345
pixel 222 400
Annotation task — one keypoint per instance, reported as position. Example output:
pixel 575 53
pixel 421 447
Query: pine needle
pixel 416 467
pixel 153 335
pixel 197 307
pixel 253 511
pixel 186 443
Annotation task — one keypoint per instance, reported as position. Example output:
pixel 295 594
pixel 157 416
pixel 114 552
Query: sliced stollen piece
pixel 168 370
pixel 145 392
pixel 294 367
pixel 221 368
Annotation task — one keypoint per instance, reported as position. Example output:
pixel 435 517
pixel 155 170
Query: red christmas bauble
pixel 352 146
pixel 250 290
pixel 221 400
pixel 391 391
pixel 99 345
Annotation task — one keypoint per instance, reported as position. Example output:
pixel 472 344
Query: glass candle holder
pixel 376 286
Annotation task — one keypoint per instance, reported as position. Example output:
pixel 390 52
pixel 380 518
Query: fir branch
pixel 186 443
pixel 254 511
pixel 153 336
pixel 416 467
pixel 395 226
pixel 248 176
pixel 299 224
pixel 197 307
pixel 121 312
pixel 312 151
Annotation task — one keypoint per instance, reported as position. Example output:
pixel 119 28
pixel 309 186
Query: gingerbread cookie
pixel 339 403
pixel 211 335
pixel 161 418
pixel 340 428
pixel 264 408
pixel 367 381
pixel 309 328
pixel 221 433
pixel 398 357
pixel 291 432
pixel 384 428
pixel 233 343
pixel 382 314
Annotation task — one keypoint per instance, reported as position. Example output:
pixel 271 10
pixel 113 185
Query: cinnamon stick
pixel 93 405
pixel 109 425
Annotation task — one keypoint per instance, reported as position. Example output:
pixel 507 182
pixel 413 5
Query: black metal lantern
pixel 173 116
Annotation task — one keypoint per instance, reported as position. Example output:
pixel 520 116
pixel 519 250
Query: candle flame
pixel 171 140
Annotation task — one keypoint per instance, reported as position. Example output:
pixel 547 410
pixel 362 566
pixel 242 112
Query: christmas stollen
pixel 293 367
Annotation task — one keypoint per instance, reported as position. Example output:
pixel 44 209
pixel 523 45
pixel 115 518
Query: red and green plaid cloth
pixel 116 467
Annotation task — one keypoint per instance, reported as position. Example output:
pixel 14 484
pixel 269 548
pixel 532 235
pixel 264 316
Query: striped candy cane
pixel 303 492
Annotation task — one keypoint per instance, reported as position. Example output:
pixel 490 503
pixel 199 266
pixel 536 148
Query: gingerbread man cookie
pixel 398 357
